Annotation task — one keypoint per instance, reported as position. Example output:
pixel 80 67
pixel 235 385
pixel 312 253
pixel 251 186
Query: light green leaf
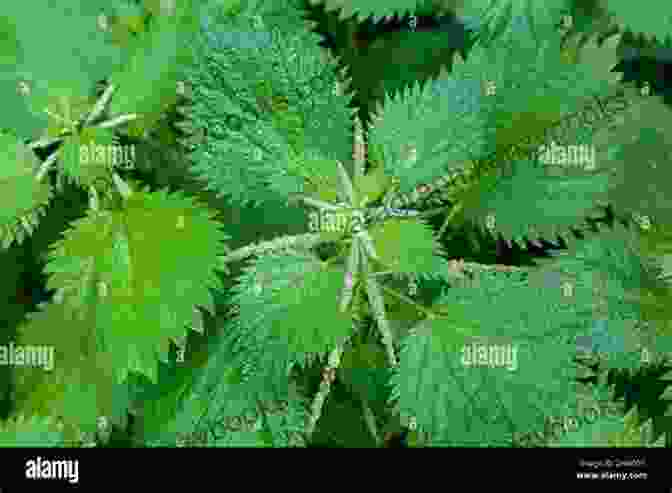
pixel 294 298
pixel 69 377
pixel 407 247
pixel 153 262
pixel 23 197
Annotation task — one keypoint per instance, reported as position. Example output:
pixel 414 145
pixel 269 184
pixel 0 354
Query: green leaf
pixel 422 134
pixel 149 264
pixel 533 203
pixel 69 376
pixel 507 20
pixel 310 174
pixel 17 113
pixel 168 414
pixel 148 83
pixel 265 119
pixel 10 47
pixel 492 365
pixel 371 186
pixel 656 20
pixel 408 247
pixel 23 197
pixel 624 292
pixel 401 59
pixel 277 295
pixel 375 9
pixel 79 57
pixel 637 148
pixel 569 181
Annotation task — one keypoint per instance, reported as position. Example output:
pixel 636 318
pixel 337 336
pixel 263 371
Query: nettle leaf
pixel 376 10
pixel 148 83
pixel 243 368
pixel 167 411
pixel 235 398
pixel 33 431
pixel 567 86
pixel 627 295
pixel 310 174
pixel 399 59
pixel 408 247
pixel 533 202
pixel 277 295
pixel 287 16
pixel 265 101
pixel 69 376
pixel 372 185
pixel 613 431
pixel 422 134
pixel 637 148
pixel 475 375
pixel 77 58
pixel 17 114
pixel 10 47
pixel 540 149
pixel 504 20
pixel 265 424
pixel 162 408
pixel 24 198
pixel 152 262
pixel 185 400
pixel 655 21
pixel 467 116
pixel 656 293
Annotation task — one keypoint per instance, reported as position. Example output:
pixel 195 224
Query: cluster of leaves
pixel 314 319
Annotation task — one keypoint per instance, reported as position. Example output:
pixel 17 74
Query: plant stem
pixel 325 386
pixel 370 420
pixel 306 241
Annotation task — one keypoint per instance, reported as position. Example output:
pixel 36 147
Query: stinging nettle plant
pixel 364 315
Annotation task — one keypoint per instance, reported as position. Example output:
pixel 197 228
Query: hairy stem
pixel 358 150
pixel 308 240
pixel 328 374
pixel 378 308
pixel 100 105
pixel 370 420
